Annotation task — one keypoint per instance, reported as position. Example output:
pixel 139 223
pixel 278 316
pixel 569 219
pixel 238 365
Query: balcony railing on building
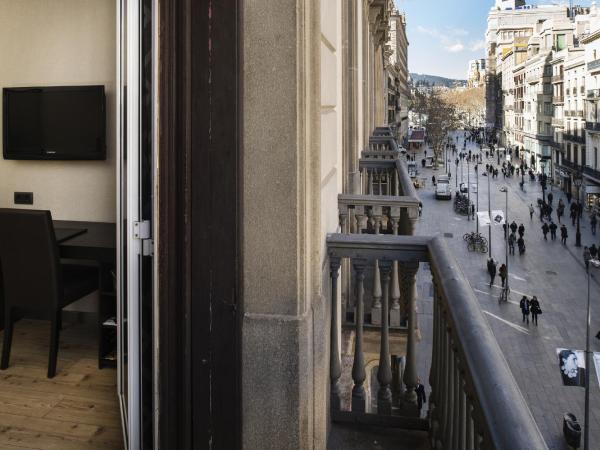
pixel 593 127
pixel 558 99
pixel 558 78
pixel 593 93
pixel 574 138
pixel 557 122
pixel 467 409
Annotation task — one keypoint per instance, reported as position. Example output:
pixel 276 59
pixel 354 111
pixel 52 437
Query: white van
pixel 442 189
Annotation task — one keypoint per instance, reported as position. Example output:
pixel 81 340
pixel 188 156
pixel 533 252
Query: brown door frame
pixel 199 148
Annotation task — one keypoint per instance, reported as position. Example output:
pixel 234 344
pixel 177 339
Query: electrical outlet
pixel 23 198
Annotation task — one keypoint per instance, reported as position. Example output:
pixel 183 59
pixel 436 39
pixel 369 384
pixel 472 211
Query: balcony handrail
pixel 387 201
pixel 500 417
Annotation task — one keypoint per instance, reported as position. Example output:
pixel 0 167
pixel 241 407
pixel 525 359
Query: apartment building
pixel 396 60
pixel 591 169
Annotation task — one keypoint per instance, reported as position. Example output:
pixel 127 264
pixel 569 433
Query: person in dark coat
pixel 491 267
pixel 545 229
pixel 512 239
pixel 521 245
pixel 534 307
pixel 524 305
pixel 513 227
pixel 563 234
pixel 593 251
pixel 503 273
pixel 593 223
pixel 550 197
pixel 421 398
pixel 553 227
pixel 521 230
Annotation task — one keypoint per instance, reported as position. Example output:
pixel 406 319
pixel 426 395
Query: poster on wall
pixel 572 366
pixel 484 218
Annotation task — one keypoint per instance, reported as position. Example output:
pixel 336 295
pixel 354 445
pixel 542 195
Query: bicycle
pixel 476 242
pixel 504 295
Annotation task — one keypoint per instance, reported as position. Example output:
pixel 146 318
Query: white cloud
pixel 455 48
pixel 477 45
pixel 449 41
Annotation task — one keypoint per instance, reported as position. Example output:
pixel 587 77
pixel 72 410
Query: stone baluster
pixel 462 424
pixel 379 179
pixel 470 432
pixel 456 406
pixel 395 319
pixel 376 306
pixel 435 365
pixel 359 400
pixel 346 275
pixel 361 218
pixel 377 212
pixel 370 182
pixel 444 380
pixel 396 183
pixel 408 288
pixel 384 374
pixel 450 409
pixel 335 365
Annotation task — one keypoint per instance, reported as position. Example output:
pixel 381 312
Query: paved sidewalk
pixel 549 270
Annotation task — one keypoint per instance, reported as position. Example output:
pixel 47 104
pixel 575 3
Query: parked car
pixel 443 189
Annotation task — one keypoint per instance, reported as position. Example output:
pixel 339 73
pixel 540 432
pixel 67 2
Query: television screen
pixel 66 122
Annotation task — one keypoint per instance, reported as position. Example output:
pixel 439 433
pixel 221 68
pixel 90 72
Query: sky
pixel 444 35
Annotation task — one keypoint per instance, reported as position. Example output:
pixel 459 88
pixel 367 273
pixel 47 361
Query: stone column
pixel 395 318
pixel 407 289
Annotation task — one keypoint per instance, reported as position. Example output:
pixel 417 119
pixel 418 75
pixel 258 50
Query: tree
pixel 439 116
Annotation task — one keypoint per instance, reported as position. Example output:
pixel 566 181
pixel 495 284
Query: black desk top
pixel 98 243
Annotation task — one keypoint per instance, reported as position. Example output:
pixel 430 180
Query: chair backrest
pixel 29 258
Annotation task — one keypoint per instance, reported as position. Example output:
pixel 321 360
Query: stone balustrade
pixel 475 402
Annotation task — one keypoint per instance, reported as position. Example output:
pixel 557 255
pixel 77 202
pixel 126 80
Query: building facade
pixel 396 61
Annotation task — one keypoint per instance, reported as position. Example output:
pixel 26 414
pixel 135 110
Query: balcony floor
pixel 373 438
pixel 76 410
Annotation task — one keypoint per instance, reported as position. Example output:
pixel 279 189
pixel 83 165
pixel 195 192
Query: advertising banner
pixel 572 366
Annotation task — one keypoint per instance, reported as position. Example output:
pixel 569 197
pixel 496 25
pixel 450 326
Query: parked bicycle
pixel 476 242
pixel 462 205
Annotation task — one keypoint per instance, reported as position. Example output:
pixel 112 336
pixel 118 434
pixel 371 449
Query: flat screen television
pixel 56 122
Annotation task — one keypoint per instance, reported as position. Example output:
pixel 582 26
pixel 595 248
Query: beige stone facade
pixel 323 91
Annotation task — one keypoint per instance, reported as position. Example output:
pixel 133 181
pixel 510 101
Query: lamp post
pixel 594 263
pixel 543 182
pixel 456 173
pixel 468 193
pixel 505 289
pixel 490 215
pixel 477 177
pixel 578 181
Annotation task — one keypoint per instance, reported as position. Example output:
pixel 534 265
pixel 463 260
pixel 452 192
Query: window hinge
pixel 141 230
pixel 148 247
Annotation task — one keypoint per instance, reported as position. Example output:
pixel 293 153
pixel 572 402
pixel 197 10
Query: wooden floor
pixel 76 410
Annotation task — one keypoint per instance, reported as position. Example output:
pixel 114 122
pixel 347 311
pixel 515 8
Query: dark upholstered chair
pixel 35 283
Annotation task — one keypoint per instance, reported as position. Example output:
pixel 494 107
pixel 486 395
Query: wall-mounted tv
pixel 55 122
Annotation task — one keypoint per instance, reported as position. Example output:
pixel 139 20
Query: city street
pixel 549 270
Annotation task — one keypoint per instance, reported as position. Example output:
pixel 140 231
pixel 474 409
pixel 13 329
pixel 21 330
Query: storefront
pixel 592 197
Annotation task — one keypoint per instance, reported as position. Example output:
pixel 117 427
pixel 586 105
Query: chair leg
pixel 8 333
pixel 54 336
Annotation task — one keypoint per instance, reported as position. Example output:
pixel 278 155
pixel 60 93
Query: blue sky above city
pixel 445 35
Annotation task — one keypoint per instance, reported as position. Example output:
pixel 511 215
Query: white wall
pixel 61 42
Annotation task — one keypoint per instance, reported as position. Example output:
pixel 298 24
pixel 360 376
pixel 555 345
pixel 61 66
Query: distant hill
pixel 434 80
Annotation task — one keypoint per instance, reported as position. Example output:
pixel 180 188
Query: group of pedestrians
pixel 512 238
pixel 530 307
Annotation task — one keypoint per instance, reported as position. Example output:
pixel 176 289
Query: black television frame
pixel 97 156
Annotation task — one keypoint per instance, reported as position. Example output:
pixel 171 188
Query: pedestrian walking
pixel 560 210
pixel 505 228
pixel 521 245
pixel 593 223
pixel 553 227
pixel 586 258
pixel 534 307
pixel 512 239
pixel 473 212
pixel 421 398
pixel 433 180
pixel 531 211
pixel 563 234
pixel 545 229
pixel 513 226
pixel 524 305
pixel 573 215
pixel 503 273
pixel 550 198
pixel 420 208
pixel 491 266
pixel 593 251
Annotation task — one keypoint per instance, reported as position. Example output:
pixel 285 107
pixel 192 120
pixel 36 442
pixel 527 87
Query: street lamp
pixel 456 173
pixel 543 182
pixel 505 289
pixel 578 182
pixel 594 263
pixel 468 193
pixel 490 215
pixel 477 177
